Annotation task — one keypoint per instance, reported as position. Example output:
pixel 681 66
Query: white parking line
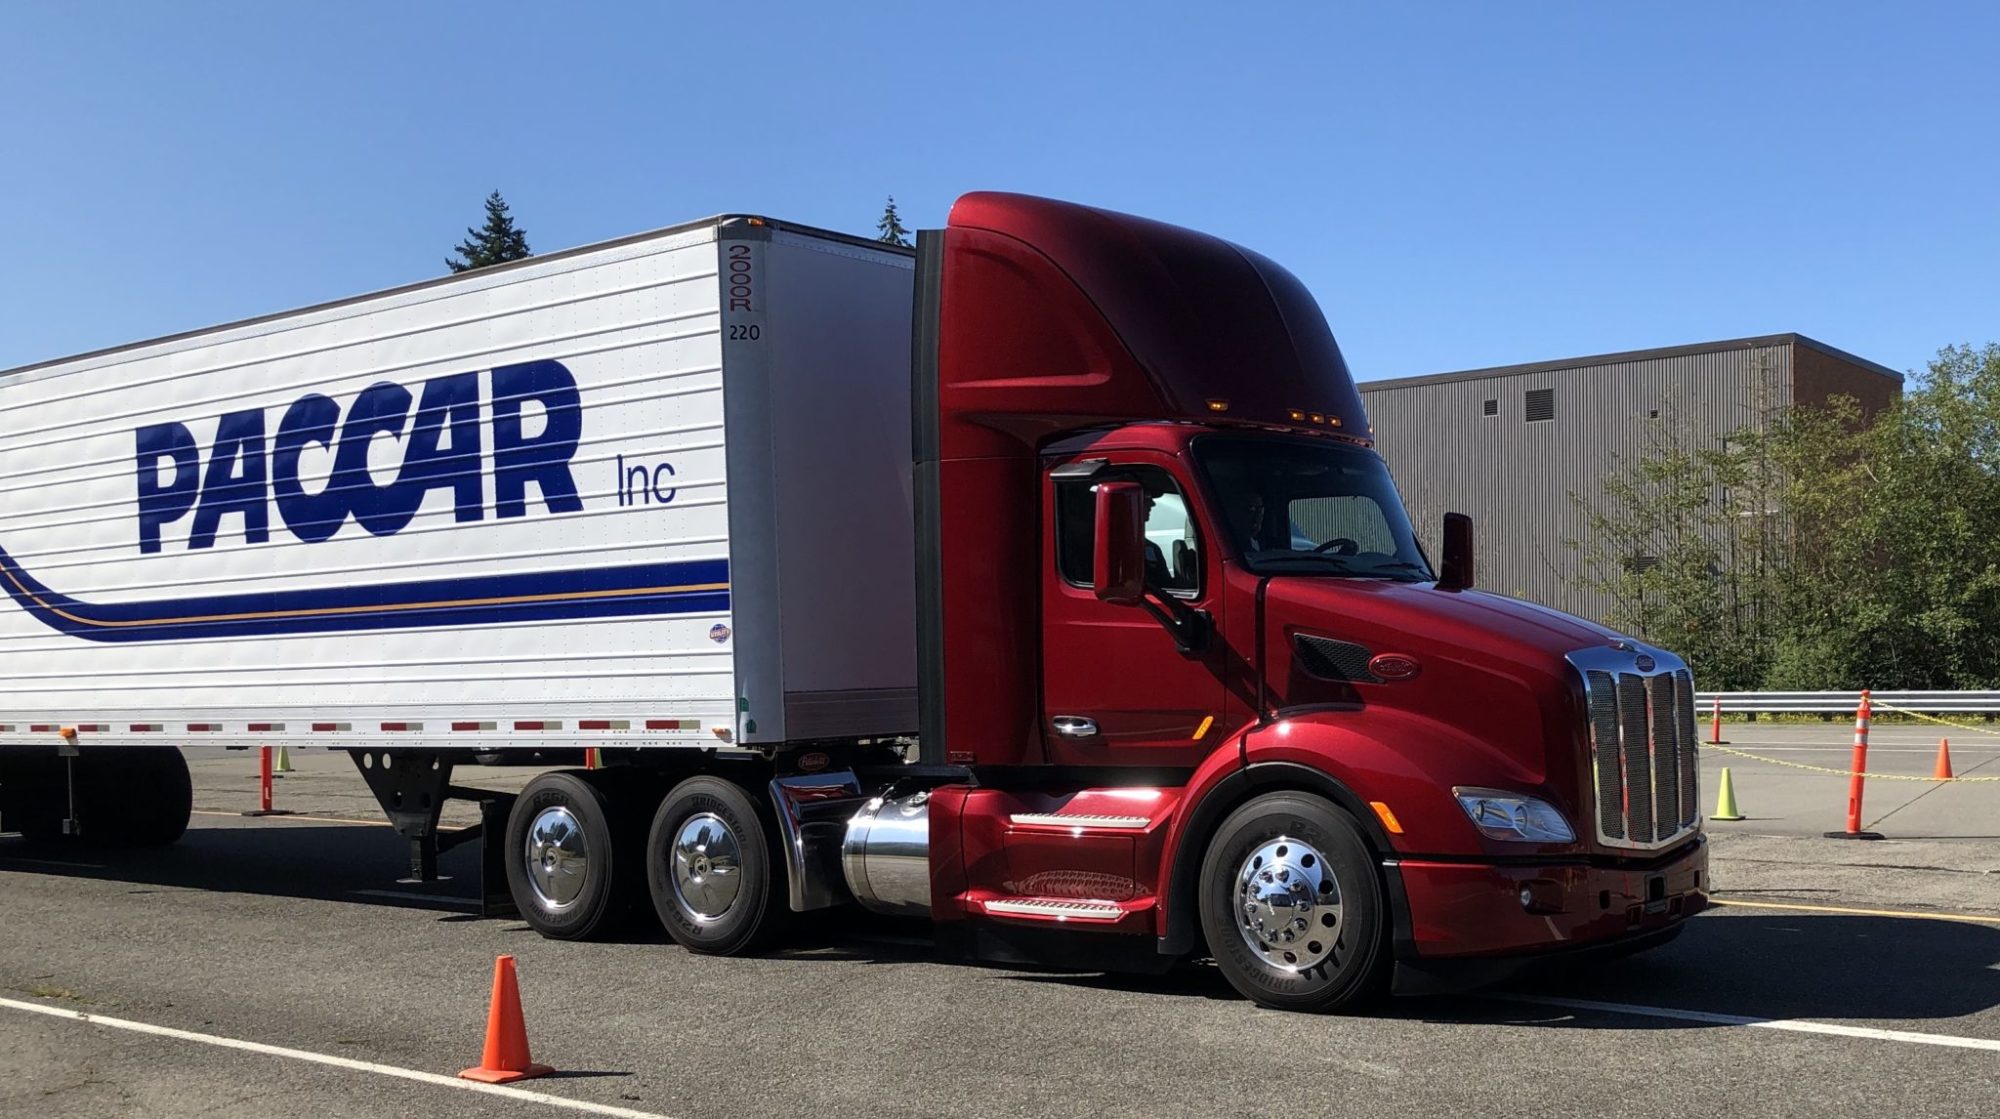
pixel 1793 1025
pixel 438 1079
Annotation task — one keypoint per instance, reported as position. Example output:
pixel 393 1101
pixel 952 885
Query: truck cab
pixel 1209 693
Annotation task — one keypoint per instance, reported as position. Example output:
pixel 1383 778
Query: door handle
pixel 1075 726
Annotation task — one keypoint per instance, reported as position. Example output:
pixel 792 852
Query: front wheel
pixel 1292 905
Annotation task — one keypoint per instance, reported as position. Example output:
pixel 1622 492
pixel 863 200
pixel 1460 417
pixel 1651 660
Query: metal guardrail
pixel 1844 703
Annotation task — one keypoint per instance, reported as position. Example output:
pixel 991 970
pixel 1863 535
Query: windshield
pixel 1294 508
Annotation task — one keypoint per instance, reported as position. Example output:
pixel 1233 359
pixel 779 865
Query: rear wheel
pixel 564 867
pixel 709 868
pixel 134 796
pixel 126 796
pixel 1292 906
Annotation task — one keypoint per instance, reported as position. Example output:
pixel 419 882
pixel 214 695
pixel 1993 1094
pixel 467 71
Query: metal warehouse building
pixel 1509 445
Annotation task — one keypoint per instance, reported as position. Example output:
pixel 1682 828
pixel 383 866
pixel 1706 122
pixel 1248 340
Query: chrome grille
pixel 1642 744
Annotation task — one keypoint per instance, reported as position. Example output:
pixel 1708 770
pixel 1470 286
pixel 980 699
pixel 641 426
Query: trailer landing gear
pixel 412 788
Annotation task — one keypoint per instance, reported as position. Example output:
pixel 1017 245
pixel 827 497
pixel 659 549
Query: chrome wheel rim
pixel 708 867
pixel 558 858
pixel 1288 905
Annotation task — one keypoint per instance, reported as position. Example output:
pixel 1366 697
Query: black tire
pixel 580 832
pixel 33 792
pixel 126 796
pixel 1303 837
pixel 734 901
pixel 134 796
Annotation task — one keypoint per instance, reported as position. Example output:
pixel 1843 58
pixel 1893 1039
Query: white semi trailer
pixel 648 493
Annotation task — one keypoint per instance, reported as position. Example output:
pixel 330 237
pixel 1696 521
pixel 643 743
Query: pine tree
pixel 890 229
pixel 498 241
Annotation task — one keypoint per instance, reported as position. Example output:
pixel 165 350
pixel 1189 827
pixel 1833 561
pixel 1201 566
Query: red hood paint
pixel 1492 686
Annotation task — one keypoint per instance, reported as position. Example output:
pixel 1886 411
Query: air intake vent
pixel 1541 405
pixel 1490 408
pixel 1334 660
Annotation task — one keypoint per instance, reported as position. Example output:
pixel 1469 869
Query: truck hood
pixel 1418 617
pixel 1490 686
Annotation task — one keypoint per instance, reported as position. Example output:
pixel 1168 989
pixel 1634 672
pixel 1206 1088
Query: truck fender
pixel 1183 854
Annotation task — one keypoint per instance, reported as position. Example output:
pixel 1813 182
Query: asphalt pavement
pixel 290 932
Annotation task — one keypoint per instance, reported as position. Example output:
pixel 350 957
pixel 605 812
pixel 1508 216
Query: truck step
pixel 1059 908
pixel 1078 820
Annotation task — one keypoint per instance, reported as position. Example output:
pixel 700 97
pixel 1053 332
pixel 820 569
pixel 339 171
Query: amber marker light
pixel 1317 418
pixel 1296 414
pixel 1387 817
pixel 1334 420
pixel 1218 406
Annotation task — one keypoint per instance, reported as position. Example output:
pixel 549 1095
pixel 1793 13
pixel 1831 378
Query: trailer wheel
pixel 563 866
pixel 134 796
pixel 1292 907
pixel 708 864
pixel 32 792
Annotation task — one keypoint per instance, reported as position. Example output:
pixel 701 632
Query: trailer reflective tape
pixel 673 724
pixel 683 587
pixel 203 728
pixel 604 724
pixel 322 727
pixel 538 724
pixel 474 726
pixel 6 728
pixel 98 728
pixel 42 728
pixel 266 728
pixel 398 727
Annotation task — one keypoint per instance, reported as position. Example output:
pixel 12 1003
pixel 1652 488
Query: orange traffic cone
pixel 1943 770
pixel 506 1056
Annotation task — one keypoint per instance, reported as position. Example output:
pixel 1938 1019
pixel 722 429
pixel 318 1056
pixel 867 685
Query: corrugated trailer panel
pixel 495 506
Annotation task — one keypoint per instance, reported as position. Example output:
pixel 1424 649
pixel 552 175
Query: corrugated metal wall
pixel 1515 477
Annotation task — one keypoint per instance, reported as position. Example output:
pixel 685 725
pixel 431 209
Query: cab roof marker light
pixel 1218 405
pixel 1318 418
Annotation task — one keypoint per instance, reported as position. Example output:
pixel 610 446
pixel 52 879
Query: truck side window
pixel 1173 547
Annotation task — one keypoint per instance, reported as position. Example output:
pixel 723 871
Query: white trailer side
pixel 602 497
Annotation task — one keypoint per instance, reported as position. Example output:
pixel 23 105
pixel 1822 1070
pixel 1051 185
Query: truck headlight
pixel 1512 817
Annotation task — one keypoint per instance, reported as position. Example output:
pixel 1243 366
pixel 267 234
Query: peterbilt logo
pixel 1644 663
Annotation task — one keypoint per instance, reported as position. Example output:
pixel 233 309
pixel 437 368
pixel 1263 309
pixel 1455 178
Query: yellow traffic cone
pixel 1725 799
pixel 283 763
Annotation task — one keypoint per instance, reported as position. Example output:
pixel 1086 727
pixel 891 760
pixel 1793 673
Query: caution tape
pixel 1874 703
pixel 1841 772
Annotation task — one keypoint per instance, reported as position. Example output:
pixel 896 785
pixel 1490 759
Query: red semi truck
pixel 1092 630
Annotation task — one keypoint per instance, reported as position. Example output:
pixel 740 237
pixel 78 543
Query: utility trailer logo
pixel 451 434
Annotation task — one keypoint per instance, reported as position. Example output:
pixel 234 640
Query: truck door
pixel 1115 689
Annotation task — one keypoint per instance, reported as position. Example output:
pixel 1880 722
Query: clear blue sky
pixel 1460 184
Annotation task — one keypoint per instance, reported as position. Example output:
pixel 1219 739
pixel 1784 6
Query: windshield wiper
pixel 1339 565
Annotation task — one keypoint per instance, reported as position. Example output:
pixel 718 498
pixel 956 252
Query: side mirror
pixel 1455 573
pixel 1118 561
